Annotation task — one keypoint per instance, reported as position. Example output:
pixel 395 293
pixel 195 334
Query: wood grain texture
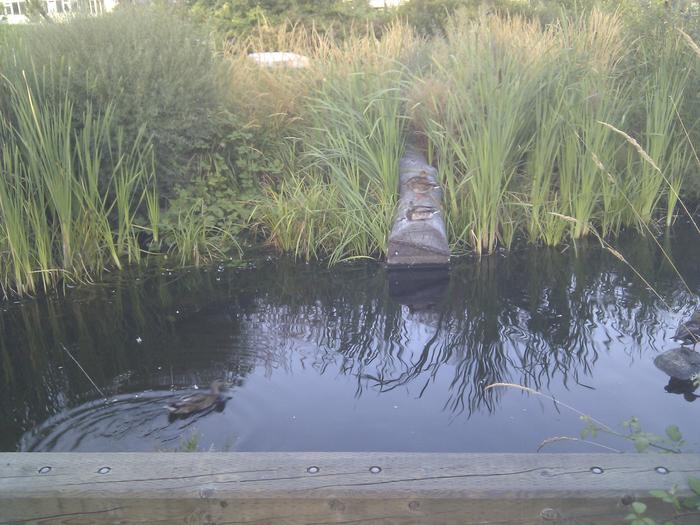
pixel 278 487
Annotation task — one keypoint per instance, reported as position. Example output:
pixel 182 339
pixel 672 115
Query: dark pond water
pixel 353 358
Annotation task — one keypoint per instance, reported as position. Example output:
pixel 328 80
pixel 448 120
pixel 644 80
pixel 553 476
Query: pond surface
pixel 354 358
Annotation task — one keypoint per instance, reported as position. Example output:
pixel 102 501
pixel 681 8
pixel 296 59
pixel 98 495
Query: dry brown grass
pixel 275 96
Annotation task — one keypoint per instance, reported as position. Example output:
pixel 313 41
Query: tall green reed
pixel 69 197
pixel 661 138
pixel 481 128
pixel 339 197
pixel 542 197
pixel 513 115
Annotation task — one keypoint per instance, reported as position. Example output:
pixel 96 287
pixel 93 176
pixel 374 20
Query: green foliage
pixel 431 17
pixel 132 93
pixel 69 198
pixel 557 131
pixel 636 517
pixel 189 443
pixel 545 119
pixel 36 10
pixel 672 442
pixel 682 505
pixel 156 69
pixel 218 198
pixel 339 196
pixel 236 18
pixel 480 129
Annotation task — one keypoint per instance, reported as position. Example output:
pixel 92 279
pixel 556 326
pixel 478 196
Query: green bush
pixel 237 18
pixel 157 69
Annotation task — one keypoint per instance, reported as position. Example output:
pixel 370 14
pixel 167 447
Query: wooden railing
pixel 348 488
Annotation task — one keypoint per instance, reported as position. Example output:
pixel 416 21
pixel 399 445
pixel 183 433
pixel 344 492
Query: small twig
pixel 84 372
pixel 553 400
pixel 556 439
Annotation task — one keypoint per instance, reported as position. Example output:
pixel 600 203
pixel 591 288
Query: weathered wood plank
pixel 418 236
pixel 342 488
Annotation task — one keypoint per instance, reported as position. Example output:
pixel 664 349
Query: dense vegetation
pixel 144 131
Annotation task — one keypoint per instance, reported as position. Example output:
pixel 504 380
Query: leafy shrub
pixel 157 69
pixel 218 198
pixel 237 18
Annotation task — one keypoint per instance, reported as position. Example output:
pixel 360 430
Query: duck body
pixel 688 333
pixel 197 402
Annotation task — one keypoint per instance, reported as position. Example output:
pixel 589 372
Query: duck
pixel 420 213
pixel 689 331
pixel 198 402
pixel 420 184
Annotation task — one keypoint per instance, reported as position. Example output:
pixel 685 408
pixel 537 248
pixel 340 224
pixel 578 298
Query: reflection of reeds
pixel 531 318
pixel 482 335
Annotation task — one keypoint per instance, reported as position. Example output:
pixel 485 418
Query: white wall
pixel 56 8
pixel 385 3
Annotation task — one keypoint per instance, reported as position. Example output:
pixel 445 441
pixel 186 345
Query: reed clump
pixel 519 138
pixel 518 117
pixel 69 198
pixel 338 196
pixel 103 123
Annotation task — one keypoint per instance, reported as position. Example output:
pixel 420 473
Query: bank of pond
pixel 139 133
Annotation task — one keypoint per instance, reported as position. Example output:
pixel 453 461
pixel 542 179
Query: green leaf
pixel 633 424
pixel 639 507
pixel 641 444
pixel 673 433
pixel 694 484
pixel 663 495
pixel 691 503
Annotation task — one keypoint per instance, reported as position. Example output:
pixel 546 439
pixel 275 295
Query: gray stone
pixel 682 363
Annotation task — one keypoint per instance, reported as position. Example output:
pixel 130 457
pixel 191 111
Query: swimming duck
pixel 197 402
pixel 689 331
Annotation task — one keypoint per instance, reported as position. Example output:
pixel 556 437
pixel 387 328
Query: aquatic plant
pixel 155 68
pixel 69 198
pixel 338 198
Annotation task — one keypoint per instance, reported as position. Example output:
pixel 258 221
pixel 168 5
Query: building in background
pixel 15 11
pixel 385 3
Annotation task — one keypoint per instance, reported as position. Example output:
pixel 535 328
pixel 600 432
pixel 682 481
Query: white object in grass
pixel 280 59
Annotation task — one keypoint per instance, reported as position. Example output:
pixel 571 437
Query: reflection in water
pixel 407 354
pixel 684 387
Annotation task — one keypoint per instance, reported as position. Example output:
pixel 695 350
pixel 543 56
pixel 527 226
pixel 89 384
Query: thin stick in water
pixel 84 372
pixel 557 439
